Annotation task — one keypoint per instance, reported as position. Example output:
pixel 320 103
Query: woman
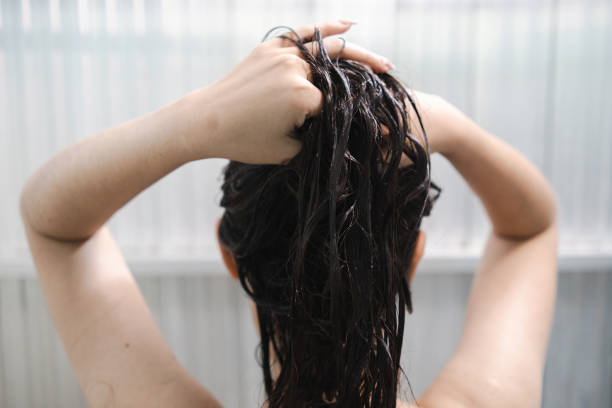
pixel 250 116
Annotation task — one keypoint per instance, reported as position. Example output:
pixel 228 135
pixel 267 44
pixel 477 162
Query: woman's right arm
pixel 500 357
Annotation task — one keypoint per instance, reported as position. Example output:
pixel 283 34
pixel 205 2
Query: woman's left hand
pixel 249 114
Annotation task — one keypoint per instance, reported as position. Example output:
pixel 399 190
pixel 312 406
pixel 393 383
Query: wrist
pixel 197 125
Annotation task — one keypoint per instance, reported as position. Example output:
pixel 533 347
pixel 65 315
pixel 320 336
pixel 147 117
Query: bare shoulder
pixel 500 358
pixel 402 404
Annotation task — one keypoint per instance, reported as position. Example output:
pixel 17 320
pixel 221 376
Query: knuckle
pixel 334 44
pixel 308 29
pixel 326 24
pixel 304 88
pixel 290 60
pixel 305 66
pixel 300 97
pixel 262 49
pixel 287 39
pixel 305 98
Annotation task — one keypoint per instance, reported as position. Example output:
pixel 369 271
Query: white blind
pixel 535 73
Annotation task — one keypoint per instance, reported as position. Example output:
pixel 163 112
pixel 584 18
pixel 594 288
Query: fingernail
pixel 347 21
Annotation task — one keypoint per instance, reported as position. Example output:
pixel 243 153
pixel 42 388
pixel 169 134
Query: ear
pixel 227 255
pixel 419 250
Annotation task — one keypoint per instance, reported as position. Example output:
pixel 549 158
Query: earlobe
pixel 227 255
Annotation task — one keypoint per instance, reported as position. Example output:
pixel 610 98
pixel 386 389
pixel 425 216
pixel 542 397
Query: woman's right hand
pixel 442 121
pixel 250 113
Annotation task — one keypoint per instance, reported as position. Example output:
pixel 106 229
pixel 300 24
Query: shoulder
pixel 438 403
pixel 402 404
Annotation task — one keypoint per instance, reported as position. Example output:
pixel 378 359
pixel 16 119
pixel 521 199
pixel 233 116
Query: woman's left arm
pixel 112 341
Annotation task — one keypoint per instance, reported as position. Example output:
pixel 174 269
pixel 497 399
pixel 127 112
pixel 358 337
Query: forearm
pixel 81 187
pixel 518 199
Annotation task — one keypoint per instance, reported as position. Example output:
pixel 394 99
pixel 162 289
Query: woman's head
pixel 322 244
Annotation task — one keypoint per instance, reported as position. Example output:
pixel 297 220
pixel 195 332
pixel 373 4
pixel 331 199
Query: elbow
pixel 552 207
pixel 27 209
pixel 546 212
pixel 24 204
pixel 30 209
pixel 37 215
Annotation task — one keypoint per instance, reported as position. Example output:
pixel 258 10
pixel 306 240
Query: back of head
pixel 323 242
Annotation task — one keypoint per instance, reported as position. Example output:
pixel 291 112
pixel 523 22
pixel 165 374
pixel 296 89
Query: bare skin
pixel 109 334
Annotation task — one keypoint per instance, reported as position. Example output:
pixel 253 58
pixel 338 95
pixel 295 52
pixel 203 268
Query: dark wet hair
pixel 323 242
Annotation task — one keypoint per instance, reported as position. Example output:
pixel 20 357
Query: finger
pixel 297 63
pixel 307 32
pixel 311 100
pixel 327 28
pixel 337 47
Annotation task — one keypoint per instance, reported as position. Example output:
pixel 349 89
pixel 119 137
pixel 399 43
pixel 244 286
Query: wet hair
pixel 323 242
